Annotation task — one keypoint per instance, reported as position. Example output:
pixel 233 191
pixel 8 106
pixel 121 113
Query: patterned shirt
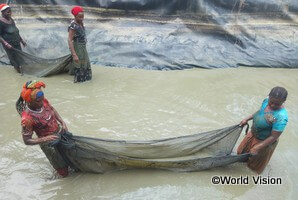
pixel 80 35
pixel 42 122
pixel 265 122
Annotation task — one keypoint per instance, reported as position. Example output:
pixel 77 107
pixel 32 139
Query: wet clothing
pixel 53 156
pixel 80 34
pixel 82 70
pixel 258 162
pixel 265 122
pixel 10 33
pixel 43 122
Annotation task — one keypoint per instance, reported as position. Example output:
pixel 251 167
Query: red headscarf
pixel 76 10
pixel 31 89
pixel 3 6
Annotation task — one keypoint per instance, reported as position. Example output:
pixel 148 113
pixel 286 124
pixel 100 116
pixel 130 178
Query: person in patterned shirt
pixel 40 117
pixel 81 67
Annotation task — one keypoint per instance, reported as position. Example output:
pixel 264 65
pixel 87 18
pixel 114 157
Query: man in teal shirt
pixel 268 124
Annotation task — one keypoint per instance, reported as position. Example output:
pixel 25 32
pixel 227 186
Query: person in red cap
pixel 81 67
pixel 39 116
pixel 10 37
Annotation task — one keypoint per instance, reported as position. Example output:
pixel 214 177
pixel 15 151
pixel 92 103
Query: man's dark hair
pixel 279 93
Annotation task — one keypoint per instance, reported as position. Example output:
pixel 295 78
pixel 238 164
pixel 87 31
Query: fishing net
pixel 41 67
pixel 184 154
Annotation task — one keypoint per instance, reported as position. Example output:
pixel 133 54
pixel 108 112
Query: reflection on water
pixel 141 105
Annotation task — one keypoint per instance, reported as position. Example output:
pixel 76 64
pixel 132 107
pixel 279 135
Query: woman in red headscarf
pixel 77 45
pixel 40 117
pixel 10 37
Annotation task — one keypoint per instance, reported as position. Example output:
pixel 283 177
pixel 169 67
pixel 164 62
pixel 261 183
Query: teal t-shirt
pixel 265 122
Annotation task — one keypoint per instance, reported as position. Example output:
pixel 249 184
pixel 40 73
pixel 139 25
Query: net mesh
pixel 41 67
pixel 184 154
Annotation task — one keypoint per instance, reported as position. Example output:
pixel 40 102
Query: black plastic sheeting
pixel 168 34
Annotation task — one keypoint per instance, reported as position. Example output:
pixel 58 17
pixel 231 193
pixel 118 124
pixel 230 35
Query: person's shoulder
pixel 12 21
pixel 26 119
pixel 72 25
pixel 46 102
pixel 266 100
pixel 5 22
pixel 283 112
pixel 264 103
pixel 2 23
pixel 25 113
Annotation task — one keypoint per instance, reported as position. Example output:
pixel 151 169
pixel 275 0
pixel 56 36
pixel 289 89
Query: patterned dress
pixel 82 70
pixel 10 33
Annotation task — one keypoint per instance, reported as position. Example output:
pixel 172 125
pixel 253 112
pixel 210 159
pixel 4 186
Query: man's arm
pixel 28 140
pixel 59 118
pixel 257 148
pixel 71 34
pixel 244 121
pixel 23 42
pixel 6 44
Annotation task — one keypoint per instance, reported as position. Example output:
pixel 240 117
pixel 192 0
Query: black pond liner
pixel 166 34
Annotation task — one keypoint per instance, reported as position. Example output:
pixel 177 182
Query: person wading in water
pixel 268 124
pixel 81 67
pixel 10 37
pixel 39 116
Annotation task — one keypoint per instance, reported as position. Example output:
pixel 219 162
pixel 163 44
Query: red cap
pixel 3 6
pixel 76 10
